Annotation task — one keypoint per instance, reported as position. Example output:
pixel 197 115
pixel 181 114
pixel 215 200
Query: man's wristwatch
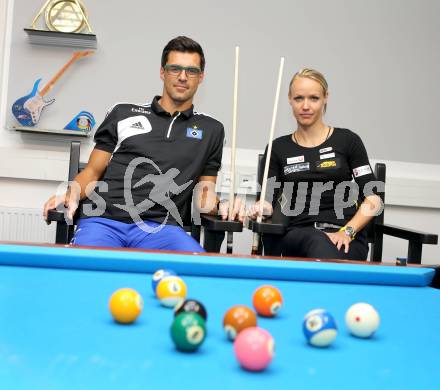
pixel 349 231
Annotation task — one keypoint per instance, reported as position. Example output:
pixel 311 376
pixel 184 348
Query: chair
pixel 210 234
pixel 214 225
pixel 273 228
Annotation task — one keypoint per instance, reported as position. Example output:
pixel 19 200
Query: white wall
pixel 413 190
pixel 2 38
pixel 380 59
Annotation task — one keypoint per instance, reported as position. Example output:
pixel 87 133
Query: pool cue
pixel 256 236
pixel 229 235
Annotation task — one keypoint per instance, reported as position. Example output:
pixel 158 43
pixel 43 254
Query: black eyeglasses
pixel 175 70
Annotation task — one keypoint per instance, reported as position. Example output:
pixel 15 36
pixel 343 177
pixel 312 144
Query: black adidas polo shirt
pixel 156 161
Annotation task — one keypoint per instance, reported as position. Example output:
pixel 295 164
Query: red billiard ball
pixel 267 301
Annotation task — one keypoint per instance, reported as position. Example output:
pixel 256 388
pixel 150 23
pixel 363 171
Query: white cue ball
pixel 362 320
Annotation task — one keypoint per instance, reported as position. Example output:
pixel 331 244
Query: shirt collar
pixel 158 109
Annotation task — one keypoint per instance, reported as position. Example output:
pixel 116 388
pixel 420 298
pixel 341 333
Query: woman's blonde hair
pixel 313 75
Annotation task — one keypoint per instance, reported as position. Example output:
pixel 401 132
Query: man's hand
pixel 340 239
pixel 69 200
pixel 239 211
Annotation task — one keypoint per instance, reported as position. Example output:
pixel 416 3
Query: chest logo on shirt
pixel 294 160
pixel 326 150
pixel 133 125
pixel 300 167
pixel 194 132
pixel 327 155
pixel 140 110
pixel 327 164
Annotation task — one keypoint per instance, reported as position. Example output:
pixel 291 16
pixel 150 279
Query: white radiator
pixel 25 225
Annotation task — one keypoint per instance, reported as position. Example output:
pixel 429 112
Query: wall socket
pixel 245 183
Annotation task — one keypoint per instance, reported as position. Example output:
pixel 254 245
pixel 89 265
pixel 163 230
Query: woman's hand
pixel 254 210
pixel 340 239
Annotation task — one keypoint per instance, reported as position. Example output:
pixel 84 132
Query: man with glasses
pixel 147 161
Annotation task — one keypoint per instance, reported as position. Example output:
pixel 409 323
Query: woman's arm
pixel 369 208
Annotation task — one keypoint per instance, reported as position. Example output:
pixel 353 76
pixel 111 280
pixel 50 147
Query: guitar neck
pixel 54 79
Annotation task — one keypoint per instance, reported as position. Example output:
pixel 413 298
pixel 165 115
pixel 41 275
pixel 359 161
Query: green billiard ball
pixel 188 331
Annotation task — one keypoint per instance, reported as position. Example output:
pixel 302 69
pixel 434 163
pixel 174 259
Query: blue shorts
pixel 106 232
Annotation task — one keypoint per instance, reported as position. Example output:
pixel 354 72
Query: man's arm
pixel 82 185
pixel 206 196
pixel 93 171
pixel 209 203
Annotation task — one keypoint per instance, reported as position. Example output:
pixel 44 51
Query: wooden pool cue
pixel 256 236
pixel 233 149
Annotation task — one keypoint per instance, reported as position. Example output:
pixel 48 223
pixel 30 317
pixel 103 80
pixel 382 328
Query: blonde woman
pixel 329 189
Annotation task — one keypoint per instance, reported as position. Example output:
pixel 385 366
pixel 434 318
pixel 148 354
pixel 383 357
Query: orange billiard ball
pixel 238 318
pixel 267 301
pixel 125 305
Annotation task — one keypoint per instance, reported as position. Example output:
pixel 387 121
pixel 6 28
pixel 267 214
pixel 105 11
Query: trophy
pixel 65 22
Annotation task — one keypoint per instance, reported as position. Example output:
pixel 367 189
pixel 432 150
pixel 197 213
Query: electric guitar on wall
pixel 27 110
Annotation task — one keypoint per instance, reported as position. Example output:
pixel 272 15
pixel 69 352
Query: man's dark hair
pixel 184 45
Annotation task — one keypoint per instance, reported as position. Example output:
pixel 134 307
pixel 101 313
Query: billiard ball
pixel 236 319
pixel 171 291
pixel 188 331
pixel 125 305
pixel 254 348
pixel 193 306
pixel 319 328
pixel 159 275
pixel 267 301
pixel 362 320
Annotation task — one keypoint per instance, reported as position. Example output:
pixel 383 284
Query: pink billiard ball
pixel 254 348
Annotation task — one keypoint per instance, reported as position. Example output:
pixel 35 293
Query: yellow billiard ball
pixel 171 291
pixel 125 305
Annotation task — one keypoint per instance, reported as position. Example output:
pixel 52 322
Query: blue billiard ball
pixel 320 328
pixel 159 275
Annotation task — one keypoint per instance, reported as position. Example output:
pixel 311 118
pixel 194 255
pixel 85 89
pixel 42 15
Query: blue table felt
pixel 56 331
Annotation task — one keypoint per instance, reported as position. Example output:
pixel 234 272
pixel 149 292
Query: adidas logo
pixel 137 125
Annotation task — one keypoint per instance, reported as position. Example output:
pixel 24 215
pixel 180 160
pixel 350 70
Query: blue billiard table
pixel 56 331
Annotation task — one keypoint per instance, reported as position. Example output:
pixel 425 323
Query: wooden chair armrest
pixel 267 226
pixel 408 234
pixel 55 216
pixel 216 224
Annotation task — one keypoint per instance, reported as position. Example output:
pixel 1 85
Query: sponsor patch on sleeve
pixel 362 171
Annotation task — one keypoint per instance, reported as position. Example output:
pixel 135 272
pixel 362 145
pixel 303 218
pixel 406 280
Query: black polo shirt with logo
pixel 158 156
pixel 337 163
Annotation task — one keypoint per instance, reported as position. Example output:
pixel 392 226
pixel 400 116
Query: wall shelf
pixel 55 38
pixel 75 133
